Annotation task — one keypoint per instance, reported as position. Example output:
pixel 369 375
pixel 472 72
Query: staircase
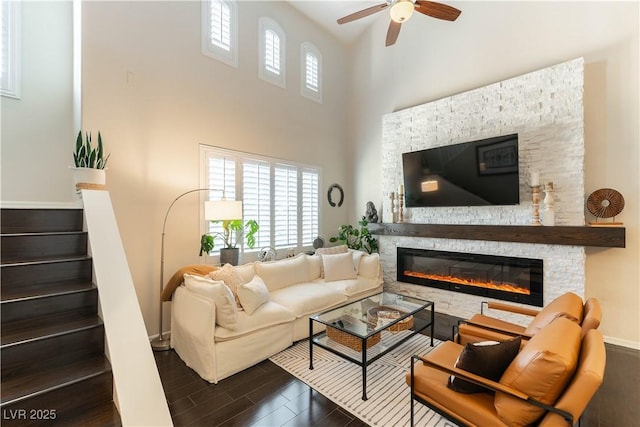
pixel 52 345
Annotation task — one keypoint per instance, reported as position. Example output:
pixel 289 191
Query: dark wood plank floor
pixel 266 395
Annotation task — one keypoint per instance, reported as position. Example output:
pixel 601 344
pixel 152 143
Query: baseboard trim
pixel 40 205
pixel 622 342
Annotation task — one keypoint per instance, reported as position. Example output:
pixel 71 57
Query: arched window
pixel 220 30
pixel 311 72
pixel 272 51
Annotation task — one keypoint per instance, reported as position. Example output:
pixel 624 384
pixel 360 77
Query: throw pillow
pixel 341 249
pixel 231 278
pixel 369 266
pixel 282 273
pixel 488 359
pixel 338 267
pixel 220 294
pixel 253 294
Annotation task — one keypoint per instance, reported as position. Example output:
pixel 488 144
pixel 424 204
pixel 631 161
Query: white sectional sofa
pixel 274 317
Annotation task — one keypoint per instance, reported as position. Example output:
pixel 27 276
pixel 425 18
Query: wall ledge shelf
pixel 608 237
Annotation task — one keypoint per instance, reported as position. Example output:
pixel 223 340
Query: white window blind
pixel 221 179
pixel 310 185
pixel 311 71
pixel 286 206
pixel 272 52
pixel 220 30
pixel 10 44
pixel 281 196
pixel 256 190
pixel 220 24
pixel 311 67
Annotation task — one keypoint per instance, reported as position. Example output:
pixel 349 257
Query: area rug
pixel 341 382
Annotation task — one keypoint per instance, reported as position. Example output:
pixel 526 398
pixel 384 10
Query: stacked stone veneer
pixel 545 109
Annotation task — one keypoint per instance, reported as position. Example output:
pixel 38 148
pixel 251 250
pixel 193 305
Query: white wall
pixel 493 41
pixel 37 129
pixel 155 98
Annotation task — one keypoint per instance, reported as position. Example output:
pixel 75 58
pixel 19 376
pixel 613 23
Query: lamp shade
pixel 222 210
pixel 402 10
pixel 428 186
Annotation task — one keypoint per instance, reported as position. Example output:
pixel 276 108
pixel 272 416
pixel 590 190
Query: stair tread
pixel 40 290
pixel 47 378
pixel 105 415
pixel 25 330
pixel 45 260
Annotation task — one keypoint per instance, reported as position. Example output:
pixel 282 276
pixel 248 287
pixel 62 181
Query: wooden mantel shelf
pixel 610 237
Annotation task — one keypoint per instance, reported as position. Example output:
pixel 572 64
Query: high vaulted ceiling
pixel 326 12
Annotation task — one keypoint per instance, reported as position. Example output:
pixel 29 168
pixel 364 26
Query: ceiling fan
pixel 401 10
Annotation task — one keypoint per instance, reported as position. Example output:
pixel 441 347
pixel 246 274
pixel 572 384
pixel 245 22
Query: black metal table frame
pixel 364 362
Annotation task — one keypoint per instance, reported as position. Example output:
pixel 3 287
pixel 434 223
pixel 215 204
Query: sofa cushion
pixel 541 370
pixel 306 298
pixel 231 278
pixel 314 264
pixel 338 267
pixel 268 314
pixel 488 359
pixel 352 287
pixel 369 266
pixel 253 294
pixel 568 305
pixel 282 273
pixel 220 294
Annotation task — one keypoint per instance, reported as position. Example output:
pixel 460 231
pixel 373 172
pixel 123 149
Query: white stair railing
pixel 139 393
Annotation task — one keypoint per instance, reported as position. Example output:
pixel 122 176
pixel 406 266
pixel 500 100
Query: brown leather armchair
pixel 549 382
pixel 482 327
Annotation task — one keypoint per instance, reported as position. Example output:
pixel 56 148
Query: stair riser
pixel 41 220
pixel 37 247
pixel 46 273
pixel 52 351
pixel 67 403
pixel 86 302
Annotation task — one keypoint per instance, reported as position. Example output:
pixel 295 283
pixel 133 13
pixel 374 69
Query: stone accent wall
pixel 545 108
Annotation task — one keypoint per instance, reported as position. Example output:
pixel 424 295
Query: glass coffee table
pixel 365 330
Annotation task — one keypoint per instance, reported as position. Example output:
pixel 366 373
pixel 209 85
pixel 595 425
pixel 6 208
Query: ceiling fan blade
pixel 392 32
pixel 437 10
pixel 364 12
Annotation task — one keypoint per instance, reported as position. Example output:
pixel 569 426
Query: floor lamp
pixel 214 210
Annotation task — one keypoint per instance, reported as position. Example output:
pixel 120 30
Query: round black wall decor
pixel 329 195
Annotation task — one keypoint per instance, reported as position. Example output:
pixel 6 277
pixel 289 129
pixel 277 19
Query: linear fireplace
pixel 507 278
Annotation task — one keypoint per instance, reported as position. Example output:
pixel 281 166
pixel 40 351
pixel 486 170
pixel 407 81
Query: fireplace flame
pixel 507 287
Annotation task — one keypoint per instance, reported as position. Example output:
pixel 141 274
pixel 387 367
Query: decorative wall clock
pixel 605 203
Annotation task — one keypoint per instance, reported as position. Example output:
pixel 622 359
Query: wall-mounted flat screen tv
pixel 475 173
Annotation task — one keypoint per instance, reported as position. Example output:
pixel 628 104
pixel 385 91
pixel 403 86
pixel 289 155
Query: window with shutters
pixel 311 72
pixel 283 197
pixel 10 33
pixel 220 30
pixel 272 51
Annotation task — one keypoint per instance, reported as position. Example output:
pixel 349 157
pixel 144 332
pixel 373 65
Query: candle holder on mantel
pixel 400 207
pixel 536 205
pixel 392 198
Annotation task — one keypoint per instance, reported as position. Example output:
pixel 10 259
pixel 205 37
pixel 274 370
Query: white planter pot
pixel 89 176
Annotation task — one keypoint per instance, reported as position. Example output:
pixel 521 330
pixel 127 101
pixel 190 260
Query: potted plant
pixel 359 239
pixel 89 161
pixel 233 231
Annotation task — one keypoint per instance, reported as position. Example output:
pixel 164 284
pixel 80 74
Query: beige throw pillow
pixel 220 294
pixel 231 278
pixel 341 249
pixel 253 294
pixel 338 267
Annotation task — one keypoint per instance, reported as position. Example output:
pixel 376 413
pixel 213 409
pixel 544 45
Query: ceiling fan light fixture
pixel 402 10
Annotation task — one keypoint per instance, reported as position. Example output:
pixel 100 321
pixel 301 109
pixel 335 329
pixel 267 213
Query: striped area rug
pixel 341 381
